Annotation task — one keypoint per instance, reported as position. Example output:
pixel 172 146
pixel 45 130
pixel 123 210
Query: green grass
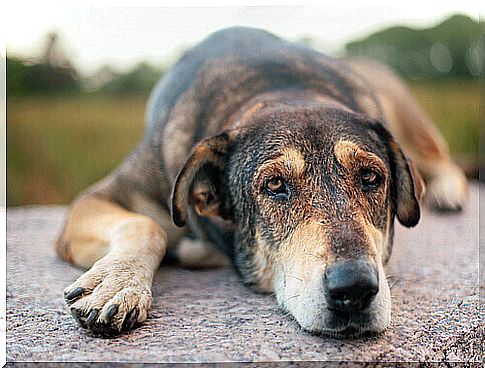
pixel 57 146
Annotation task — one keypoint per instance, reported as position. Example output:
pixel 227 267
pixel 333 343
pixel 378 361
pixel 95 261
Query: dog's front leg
pixel 124 249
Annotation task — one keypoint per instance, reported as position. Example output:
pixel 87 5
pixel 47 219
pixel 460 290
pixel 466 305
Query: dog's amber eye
pixel 370 179
pixel 274 184
pixel 276 187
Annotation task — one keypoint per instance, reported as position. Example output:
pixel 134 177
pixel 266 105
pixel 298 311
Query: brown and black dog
pixel 282 160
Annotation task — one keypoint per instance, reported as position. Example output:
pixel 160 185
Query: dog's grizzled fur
pixel 267 153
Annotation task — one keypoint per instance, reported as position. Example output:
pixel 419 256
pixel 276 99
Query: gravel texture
pixel 209 316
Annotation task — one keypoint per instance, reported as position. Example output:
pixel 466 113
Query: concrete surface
pixel 208 316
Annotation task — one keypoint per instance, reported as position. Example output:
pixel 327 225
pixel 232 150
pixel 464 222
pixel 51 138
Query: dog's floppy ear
pixel 201 181
pixel 409 187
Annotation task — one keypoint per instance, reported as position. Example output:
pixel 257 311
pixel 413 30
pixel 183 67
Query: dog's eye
pixel 276 187
pixel 370 179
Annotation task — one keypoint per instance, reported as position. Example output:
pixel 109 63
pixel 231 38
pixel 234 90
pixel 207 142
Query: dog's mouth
pixel 342 325
pixel 349 332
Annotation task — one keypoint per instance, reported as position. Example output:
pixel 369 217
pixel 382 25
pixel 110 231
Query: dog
pixel 266 154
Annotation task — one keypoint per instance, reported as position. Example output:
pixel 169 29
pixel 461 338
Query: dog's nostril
pixel 340 295
pixel 351 285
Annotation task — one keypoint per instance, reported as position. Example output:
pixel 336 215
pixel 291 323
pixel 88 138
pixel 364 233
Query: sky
pixel 118 34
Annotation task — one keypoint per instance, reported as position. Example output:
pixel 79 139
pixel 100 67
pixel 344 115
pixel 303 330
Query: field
pixel 56 146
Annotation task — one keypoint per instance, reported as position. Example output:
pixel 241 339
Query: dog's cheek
pixel 381 308
pixel 264 263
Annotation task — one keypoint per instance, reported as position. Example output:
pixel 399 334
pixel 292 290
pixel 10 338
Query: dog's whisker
pixel 312 255
pixel 392 279
pixel 295 277
pixel 290 298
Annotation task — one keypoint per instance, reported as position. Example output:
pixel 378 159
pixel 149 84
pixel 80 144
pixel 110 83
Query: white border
pixel 3 212
pixel 471 5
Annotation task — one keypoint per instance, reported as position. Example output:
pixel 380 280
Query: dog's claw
pixel 75 293
pixel 92 316
pixel 130 320
pixel 111 312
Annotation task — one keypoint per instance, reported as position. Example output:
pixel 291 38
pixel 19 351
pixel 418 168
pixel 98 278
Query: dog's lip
pixel 347 325
pixel 349 331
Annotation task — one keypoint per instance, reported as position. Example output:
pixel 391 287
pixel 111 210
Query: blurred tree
pixel 52 72
pixel 449 49
pixel 140 79
pixel 103 75
pixel 16 77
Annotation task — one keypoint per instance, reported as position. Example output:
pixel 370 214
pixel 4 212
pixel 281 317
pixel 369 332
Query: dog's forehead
pixel 311 138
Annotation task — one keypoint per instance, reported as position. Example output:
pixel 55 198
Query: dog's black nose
pixel 351 285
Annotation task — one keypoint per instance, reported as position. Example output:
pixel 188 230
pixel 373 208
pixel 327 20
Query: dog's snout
pixel 351 285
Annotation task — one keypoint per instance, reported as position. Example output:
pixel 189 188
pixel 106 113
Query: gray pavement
pixel 209 316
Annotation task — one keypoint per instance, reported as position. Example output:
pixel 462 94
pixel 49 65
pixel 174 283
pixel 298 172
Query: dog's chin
pixel 349 332
pixel 345 326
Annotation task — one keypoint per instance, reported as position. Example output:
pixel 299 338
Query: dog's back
pixel 217 77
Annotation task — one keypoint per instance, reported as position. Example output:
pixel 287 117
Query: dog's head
pixel 313 195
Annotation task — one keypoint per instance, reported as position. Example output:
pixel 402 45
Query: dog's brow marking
pixel 295 159
pixel 344 150
pixel 347 152
pixel 290 160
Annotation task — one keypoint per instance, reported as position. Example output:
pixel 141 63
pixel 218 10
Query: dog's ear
pixel 408 183
pixel 201 181
pixel 410 187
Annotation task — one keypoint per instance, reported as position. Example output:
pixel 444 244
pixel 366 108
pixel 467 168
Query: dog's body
pixel 286 158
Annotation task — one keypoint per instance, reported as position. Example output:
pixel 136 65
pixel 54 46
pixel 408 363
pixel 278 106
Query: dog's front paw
pixel 112 297
pixel 448 190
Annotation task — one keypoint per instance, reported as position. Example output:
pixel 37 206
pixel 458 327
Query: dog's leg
pixel 123 249
pixel 196 253
pixel 446 185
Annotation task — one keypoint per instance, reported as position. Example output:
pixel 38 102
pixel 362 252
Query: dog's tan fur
pixel 289 162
